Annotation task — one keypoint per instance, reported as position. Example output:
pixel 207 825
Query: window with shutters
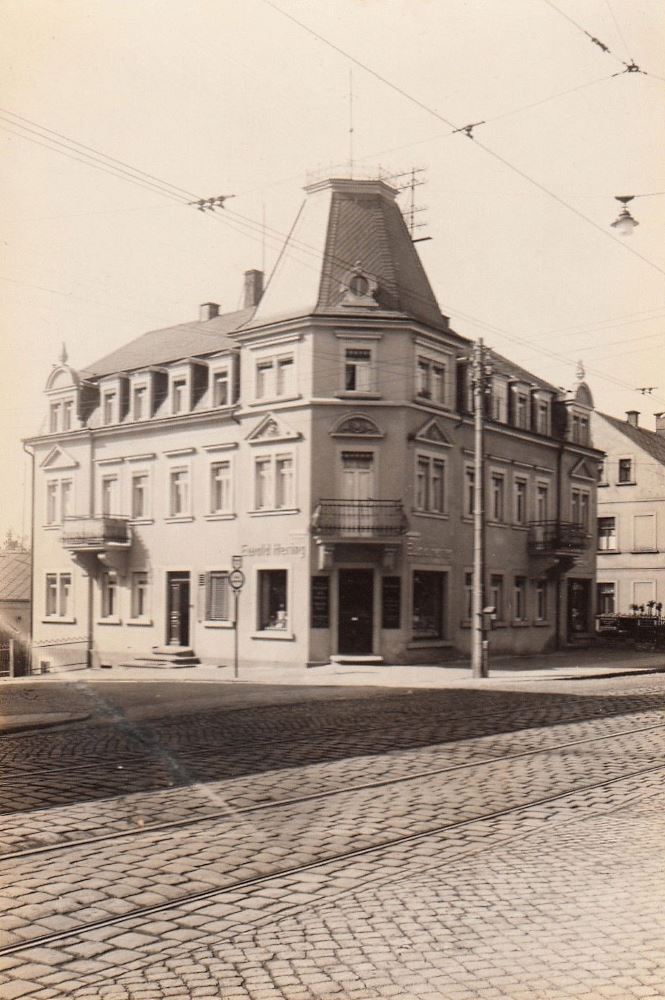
pixel 218 603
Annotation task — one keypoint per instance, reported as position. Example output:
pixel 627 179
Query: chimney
pixel 253 288
pixel 208 311
pixel 660 423
pixel 633 417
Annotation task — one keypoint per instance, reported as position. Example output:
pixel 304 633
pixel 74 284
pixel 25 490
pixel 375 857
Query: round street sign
pixel 236 579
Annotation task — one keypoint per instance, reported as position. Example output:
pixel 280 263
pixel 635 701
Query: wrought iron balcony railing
pixel 95 533
pixel 553 537
pixel 360 518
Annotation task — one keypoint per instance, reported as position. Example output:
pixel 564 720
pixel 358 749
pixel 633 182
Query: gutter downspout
pixel 559 505
pixel 32 546
pixel 91 581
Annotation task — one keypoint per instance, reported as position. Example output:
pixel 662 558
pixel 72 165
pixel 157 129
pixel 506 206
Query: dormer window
pixel 521 410
pixel 543 417
pixel 221 390
pixel 54 418
pixel 178 395
pixel 67 414
pixel 139 402
pixel 108 407
pixel 499 400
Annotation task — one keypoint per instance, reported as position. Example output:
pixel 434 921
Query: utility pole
pixel 479 642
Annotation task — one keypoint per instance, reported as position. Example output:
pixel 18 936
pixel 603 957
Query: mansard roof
pixel 160 347
pixel 503 366
pixel 649 441
pixel 344 227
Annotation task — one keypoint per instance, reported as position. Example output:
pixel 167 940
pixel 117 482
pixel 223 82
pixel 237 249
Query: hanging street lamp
pixel 624 223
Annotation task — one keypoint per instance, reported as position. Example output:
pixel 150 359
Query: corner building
pixel 324 434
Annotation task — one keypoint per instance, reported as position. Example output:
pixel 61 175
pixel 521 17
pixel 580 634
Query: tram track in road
pixel 218 892
pixel 273 804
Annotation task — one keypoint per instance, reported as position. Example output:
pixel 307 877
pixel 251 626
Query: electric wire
pixel 576 24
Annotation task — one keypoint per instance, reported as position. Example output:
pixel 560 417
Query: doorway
pixel 355 617
pixel 579 607
pixel 177 625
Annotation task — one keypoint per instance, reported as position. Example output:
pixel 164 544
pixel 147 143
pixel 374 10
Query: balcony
pixel 555 538
pixel 95 534
pixel 359 519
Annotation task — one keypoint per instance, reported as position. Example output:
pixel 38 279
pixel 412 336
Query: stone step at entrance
pixel 356 659
pixel 166 657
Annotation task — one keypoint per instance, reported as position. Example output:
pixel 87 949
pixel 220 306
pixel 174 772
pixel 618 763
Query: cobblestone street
pixel 434 844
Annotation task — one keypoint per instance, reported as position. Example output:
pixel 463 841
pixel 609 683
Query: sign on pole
pixel 236 579
pixel 236 562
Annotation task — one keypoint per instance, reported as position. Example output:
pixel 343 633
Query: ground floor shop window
pixel 273 606
pixel 428 597
pixel 606 599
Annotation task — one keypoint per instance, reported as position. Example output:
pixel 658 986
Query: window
pixel 273 607
pixel 607 534
pixel 109 595
pixel 541 600
pixel 220 488
pixel 428 595
pixel 519 599
pixel 496 595
pixel 139 494
pixel 431 380
pixel 542 501
pixel 221 394
pixel 179 492
pixel 499 400
pixel 178 394
pixel 469 492
pixel 584 430
pixel 139 400
pixel 468 596
pixel 357 369
pixel 520 501
pixel 67 414
pixel 543 417
pixel 521 410
pixel 430 484
pixel 54 418
pixel 52 502
pixel 58 595
pixel 496 497
pixel 275 377
pixel 576 429
pixel 108 495
pixel 602 472
pixel 644 533
pixel 283 481
pixel 606 593
pixel 579 505
pixel 273 482
pixel 626 470
pixel 140 594
pixel 218 597
pixel 284 377
pixel 58 500
pixel 108 407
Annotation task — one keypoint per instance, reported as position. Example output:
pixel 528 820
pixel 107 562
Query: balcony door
pixel 357 486
pixel 177 624
pixel 355 617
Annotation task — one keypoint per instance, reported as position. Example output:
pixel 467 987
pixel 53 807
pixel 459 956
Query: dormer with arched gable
pixel 63 390
pixel 579 407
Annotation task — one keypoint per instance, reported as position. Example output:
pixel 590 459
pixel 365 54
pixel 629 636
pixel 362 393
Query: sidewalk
pixel 22 708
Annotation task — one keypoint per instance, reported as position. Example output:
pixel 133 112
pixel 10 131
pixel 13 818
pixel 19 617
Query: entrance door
pixel 579 606
pixel 178 609
pixel 355 610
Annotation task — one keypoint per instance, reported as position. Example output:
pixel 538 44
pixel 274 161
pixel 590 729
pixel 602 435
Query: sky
pixel 215 97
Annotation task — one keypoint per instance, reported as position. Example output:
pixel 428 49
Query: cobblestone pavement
pixel 554 900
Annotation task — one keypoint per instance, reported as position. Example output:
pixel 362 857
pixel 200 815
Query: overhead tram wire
pixel 592 38
pixel 619 31
pixel 436 114
pixel 98 153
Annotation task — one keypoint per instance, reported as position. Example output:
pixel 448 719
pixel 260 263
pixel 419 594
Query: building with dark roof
pixel 320 439
pixel 631 514
pixel 15 592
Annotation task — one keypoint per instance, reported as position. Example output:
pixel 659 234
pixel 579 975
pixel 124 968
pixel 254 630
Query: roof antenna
pixel 351 123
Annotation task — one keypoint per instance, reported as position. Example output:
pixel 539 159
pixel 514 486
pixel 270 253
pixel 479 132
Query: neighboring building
pixel 15 591
pixel 631 513
pixel 323 433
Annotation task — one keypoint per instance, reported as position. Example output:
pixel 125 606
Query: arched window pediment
pixel 356 425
